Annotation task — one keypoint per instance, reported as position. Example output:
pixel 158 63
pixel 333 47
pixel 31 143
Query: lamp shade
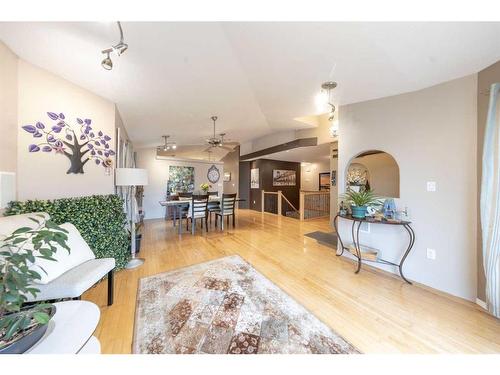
pixel 131 177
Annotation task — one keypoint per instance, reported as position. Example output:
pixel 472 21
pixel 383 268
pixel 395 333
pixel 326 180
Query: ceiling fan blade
pixel 231 143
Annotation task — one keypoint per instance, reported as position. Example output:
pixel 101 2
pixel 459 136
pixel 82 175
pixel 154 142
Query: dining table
pixel 177 206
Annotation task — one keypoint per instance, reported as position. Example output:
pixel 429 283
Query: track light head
pixel 107 63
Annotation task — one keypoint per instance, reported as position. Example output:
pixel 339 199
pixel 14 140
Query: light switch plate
pixel 431 185
pixel 431 254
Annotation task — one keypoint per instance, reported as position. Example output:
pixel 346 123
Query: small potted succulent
pixel 21 324
pixel 360 200
pixel 205 186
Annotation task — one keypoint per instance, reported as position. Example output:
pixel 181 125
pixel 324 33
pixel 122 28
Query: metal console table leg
pixel 357 246
pixel 411 233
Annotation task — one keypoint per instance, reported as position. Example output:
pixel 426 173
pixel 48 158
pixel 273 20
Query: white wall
pixel 8 109
pixel 158 177
pixel 309 174
pixel 432 135
pixel 43 175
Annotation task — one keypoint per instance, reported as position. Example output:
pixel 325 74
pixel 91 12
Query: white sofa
pixel 73 273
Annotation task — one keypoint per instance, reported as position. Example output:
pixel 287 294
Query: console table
pixel 357 247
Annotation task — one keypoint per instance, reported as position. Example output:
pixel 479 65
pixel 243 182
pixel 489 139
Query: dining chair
pixel 227 208
pixel 169 210
pixel 197 210
pixel 212 206
pixel 184 209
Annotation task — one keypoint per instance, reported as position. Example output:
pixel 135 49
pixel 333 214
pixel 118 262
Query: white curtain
pixel 490 202
pixel 126 160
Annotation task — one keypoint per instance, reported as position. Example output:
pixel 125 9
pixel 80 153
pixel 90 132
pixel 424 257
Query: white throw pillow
pixel 80 252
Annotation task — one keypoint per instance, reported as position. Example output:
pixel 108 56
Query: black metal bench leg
pixel 110 287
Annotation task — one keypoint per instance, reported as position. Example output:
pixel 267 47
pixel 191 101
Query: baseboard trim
pixel 481 303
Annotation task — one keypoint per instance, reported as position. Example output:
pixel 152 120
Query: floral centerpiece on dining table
pixel 205 186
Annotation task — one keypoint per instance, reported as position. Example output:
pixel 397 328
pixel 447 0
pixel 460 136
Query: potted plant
pixel 205 186
pixel 360 200
pixel 21 325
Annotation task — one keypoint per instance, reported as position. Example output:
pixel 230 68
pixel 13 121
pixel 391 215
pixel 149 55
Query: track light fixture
pixel 119 48
pixel 167 145
pixel 334 127
pixel 328 87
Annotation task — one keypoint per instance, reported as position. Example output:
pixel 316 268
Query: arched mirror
pixel 375 170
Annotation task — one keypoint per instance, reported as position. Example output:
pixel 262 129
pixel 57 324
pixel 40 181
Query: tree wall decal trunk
pixel 76 156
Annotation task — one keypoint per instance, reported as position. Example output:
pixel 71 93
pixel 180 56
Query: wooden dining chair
pixel 227 208
pixel 169 210
pixel 184 209
pixel 197 210
pixel 212 206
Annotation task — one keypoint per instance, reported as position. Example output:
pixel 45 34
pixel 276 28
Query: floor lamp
pixel 132 177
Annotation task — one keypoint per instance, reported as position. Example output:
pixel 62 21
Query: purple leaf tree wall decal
pixel 78 142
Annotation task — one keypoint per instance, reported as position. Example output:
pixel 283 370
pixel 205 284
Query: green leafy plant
pixel 205 186
pixel 361 198
pixel 17 256
pixel 100 219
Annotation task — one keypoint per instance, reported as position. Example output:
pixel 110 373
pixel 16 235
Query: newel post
pixel 262 192
pixel 301 205
pixel 279 202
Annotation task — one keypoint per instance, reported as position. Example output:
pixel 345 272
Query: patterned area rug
pixel 225 306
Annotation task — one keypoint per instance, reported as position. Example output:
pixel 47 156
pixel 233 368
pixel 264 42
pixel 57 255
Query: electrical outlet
pixel 431 254
pixel 431 185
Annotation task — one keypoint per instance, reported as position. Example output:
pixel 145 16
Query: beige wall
pixel 8 109
pixel 309 174
pixel 120 125
pixel 486 78
pixel 334 190
pixel 383 174
pixel 432 135
pixel 232 165
pixel 158 177
pixel 43 175
pixel 321 131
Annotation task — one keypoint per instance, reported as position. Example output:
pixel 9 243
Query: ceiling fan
pixel 218 141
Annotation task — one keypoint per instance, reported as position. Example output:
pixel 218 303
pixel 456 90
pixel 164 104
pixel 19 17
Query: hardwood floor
pixel 374 311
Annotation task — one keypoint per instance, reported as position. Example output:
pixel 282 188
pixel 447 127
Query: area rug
pixel 324 238
pixel 225 306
